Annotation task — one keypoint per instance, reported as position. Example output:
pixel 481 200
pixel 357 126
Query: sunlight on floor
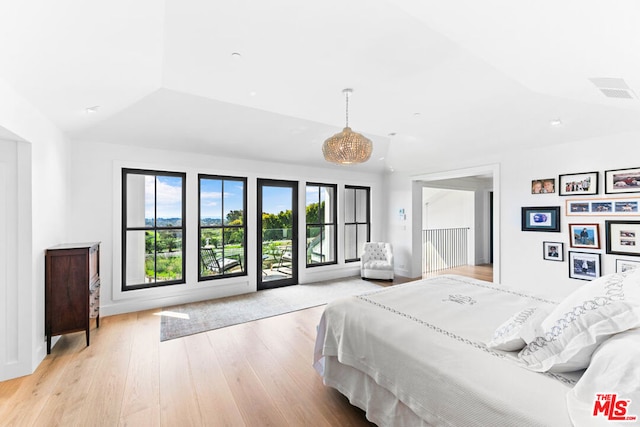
pixel 172 314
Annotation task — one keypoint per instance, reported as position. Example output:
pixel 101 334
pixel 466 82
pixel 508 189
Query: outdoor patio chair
pixel 215 264
pixel 286 257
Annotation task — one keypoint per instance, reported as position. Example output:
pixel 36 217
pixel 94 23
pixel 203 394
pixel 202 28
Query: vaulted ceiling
pixel 431 79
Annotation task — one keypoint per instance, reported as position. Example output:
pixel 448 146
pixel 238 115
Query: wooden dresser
pixel 72 289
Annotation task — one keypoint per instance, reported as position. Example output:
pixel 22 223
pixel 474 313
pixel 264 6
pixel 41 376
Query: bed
pixel 454 351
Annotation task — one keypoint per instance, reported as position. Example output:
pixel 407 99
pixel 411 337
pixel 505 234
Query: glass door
pixel 278 228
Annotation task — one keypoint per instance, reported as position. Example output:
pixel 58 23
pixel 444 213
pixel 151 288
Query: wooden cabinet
pixel 72 289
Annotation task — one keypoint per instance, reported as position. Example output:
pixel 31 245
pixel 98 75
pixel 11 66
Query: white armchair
pixel 376 261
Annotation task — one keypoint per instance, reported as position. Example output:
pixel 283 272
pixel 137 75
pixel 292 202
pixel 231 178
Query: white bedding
pixel 415 354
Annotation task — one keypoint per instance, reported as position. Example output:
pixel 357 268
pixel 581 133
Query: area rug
pixel 187 319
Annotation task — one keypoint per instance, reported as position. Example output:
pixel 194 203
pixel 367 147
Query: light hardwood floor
pixel 254 374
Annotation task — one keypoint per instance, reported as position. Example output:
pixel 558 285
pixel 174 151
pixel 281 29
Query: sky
pixel 169 197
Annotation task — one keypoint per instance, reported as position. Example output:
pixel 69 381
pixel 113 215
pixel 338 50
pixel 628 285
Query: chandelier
pixel 347 147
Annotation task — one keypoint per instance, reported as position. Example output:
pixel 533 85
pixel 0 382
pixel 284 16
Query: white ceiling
pixel 481 76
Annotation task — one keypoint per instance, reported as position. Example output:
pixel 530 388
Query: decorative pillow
pixel 614 374
pixel 510 336
pixel 567 337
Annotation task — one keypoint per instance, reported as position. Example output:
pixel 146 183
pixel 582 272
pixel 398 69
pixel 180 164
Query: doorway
pixel 278 233
pixel 485 182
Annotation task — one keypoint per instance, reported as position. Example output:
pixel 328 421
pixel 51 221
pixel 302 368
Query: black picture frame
pixel 541 218
pixel 622 181
pixel 623 237
pixel 584 265
pixel 553 251
pixel 583 183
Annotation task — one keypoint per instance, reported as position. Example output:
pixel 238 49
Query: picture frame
pixel 624 265
pixel 543 186
pixel 584 236
pixel 544 218
pixel 622 181
pixel 603 207
pixel 583 183
pixel 584 265
pixel 553 251
pixel 623 237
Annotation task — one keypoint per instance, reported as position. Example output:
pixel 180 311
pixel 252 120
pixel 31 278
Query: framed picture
pixel 584 265
pixel 623 237
pixel 584 236
pixel 578 183
pixel 553 251
pixel 541 218
pixel 603 207
pixel 623 265
pixel 543 186
pixel 622 181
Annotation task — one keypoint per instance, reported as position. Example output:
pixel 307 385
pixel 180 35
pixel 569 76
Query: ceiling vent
pixel 613 88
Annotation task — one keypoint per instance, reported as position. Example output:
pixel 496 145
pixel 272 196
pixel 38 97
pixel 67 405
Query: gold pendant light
pixel 347 147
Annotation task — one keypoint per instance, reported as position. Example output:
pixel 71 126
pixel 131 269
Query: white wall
pixel 41 182
pixel 520 257
pixel 96 204
pixel 437 207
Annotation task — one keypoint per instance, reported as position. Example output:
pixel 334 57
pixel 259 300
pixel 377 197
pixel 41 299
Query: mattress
pixel 416 354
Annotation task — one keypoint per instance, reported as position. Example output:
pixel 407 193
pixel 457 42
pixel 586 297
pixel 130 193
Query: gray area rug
pixel 193 318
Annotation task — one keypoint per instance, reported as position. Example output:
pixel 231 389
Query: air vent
pixel 616 93
pixel 613 87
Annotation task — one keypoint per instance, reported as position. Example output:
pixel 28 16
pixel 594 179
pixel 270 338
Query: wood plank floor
pixel 254 374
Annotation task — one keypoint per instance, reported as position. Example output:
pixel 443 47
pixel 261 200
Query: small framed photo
pixel 622 181
pixel 624 265
pixel 578 183
pixel 541 218
pixel 543 186
pixel 584 265
pixel 623 237
pixel 553 251
pixel 584 236
pixel 578 207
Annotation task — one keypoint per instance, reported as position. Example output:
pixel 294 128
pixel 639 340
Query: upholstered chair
pixel 376 261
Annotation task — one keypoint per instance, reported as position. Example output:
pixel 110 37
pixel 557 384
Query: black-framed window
pixel 153 228
pixel 222 226
pixel 357 221
pixel 321 214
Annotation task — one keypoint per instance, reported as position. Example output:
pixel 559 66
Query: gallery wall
pixel 520 257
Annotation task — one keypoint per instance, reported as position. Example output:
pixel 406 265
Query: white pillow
pixel 512 334
pixel 567 337
pixel 614 369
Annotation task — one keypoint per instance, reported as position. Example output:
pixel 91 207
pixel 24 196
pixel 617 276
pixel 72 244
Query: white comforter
pixel 422 343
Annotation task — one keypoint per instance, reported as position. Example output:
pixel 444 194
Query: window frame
pixel 355 221
pixel 125 228
pixel 222 226
pixel 323 224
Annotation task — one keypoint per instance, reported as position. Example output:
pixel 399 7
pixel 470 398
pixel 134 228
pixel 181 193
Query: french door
pixel 278 233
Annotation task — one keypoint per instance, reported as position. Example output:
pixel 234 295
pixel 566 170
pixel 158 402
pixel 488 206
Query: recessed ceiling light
pixel 91 110
pixel 252 93
pixel 416 114
pixel 381 158
pixel 556 123
pixel 236 55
